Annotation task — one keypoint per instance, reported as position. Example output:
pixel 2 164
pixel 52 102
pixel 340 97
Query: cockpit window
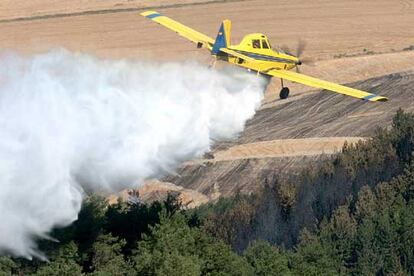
pixel 265 44
pixel 256 43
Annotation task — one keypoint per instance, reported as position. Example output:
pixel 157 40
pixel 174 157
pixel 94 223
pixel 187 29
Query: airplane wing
pixel 236 54
pixel 317 83
pixel 180 29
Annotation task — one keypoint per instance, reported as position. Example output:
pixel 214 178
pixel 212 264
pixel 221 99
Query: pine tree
pixel 64 262
pixel 7 266
pixel 266 259
pixel 312 258
pixel 107 257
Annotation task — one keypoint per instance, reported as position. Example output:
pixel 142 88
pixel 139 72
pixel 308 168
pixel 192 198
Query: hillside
pixel 346 41
pixel 244 164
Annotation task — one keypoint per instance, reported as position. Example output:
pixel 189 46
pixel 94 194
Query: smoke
pixel 71 123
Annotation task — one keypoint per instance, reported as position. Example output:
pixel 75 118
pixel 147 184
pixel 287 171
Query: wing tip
pixel 383 99
pixel 374 98
pixel 150 14
pixel 380 99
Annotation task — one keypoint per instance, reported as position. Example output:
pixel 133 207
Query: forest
pixel 350 214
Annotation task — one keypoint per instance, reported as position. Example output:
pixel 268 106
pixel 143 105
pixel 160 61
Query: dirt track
pixel 277 148
pixel 12 10
pixel 351 41
pixel 285 148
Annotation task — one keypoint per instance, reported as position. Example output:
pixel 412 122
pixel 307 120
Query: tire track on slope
pixel 109 11
pixel 406 5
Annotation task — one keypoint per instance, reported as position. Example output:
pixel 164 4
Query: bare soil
pixel 331 28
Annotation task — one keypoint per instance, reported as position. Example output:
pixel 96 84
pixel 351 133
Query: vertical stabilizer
pixel 223 37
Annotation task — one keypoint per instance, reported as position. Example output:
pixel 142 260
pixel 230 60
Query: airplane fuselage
pixel 257 47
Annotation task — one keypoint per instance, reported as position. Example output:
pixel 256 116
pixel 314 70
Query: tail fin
pixel 223 37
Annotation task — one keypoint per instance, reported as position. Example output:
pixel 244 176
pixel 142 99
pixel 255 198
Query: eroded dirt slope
pixel 324 114
pixel 318 116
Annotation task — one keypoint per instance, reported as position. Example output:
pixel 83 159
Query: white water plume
pixel 71 122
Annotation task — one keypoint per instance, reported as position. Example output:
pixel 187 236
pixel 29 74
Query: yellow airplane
pixel 256 54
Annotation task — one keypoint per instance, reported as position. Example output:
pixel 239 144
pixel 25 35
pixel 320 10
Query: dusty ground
pixel 331 28
pixel 154 190
pixel 351 41
pixel 12 10
pixel 277 148
pixel 285 148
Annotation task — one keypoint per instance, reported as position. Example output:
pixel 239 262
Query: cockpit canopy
pixel 256 41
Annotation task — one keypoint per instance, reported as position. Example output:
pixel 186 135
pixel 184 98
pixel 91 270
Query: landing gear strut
pixel 284 93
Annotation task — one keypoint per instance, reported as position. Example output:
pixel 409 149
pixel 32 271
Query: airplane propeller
pixel 300 48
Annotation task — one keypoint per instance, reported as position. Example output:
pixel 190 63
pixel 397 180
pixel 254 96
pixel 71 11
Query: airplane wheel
pixel 284 93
